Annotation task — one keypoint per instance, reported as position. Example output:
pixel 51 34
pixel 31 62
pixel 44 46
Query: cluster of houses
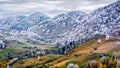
pixel 114 36
pixel 27 54
pixel 6 43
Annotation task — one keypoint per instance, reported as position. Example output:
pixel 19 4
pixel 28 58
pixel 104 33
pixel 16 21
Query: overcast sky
pixel 49 7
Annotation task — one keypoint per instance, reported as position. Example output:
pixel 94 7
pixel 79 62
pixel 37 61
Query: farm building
pixel 2 44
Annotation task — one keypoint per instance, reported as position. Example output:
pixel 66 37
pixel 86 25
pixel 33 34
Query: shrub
pixel 95 48
pixel 71 65
pixel 92 64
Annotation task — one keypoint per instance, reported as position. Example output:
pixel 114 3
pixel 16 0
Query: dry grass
pixel 3 64
pixel 84 50
pixel 34 61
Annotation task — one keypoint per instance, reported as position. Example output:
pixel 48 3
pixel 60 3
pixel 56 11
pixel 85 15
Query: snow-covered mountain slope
pixel 59 25
pixel 66 27
pixel 40 25
pixel 21 23
pixel 103 21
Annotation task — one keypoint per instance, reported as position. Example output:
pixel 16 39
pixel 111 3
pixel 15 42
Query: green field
pixel 14 48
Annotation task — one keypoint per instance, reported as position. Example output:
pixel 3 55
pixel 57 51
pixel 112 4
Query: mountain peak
pixel 38 14
pixel 37 17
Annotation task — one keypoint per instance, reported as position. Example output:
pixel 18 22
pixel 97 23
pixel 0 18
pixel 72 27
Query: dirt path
pixel 101 48
pixel 59 64
pixel 105 48
pixel 65 61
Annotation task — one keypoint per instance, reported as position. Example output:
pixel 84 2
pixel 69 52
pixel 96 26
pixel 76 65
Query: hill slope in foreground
pixel 79 55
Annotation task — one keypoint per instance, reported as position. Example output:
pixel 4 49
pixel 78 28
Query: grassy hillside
pixel 84 52
pixel 79 55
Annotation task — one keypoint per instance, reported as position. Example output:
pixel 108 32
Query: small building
pixel 41 52
pixel 118 43
pixel 107 37
pixel 99 41
pixel 2 44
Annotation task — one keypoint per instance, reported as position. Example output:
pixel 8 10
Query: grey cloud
pixel 23 2
pixel 5 2
pixel 50 7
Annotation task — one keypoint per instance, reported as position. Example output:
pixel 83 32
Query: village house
pixel 107 37
pixel 2 44
pixel 99 41
pixel 114 36
pixel 118 43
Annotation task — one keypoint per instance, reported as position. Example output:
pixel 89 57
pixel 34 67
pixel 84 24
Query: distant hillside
pixel 21 23
pixel 39 27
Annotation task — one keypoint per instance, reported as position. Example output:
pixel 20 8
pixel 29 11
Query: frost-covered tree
pixel 104 20
pixel 33 37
